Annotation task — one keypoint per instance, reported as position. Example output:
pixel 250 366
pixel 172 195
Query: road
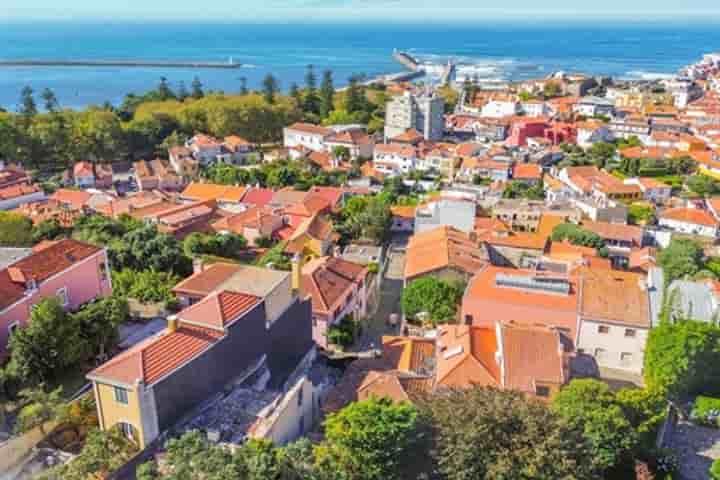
pixel 391 289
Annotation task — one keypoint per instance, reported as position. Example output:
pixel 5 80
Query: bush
pixel 145 286
pixel 343 333
pixel 437 297
pixel 715 470
pixel 577 236
pixel 706 411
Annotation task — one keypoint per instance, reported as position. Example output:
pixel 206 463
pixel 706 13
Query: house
pixel 225 337
pixel 313 237
pixel 12 175
pixel 653 190
pixel 594 106
pixel 137 205
pixel 257 197
pixel 524 128
pixel 337 288
pixel 84 175
pixel 523 215
pixel 394 157
pixel 228 197
pixel 64 214
pixel 306 135
pixel 324 161
pixel 206 279
pixel 72 271
pixel 528 173
pixel 403 218
pixel 691 221
pixel 205 149
pixel 525 297
pixel 238 151
pixel 253 224
pixel 458 214
pixel 71 199
pixel 484 167
pixel 183 162
pixel 357 142
pixel 443 252
pixel 182 220
pixel 18 194
pixel 614 318
pixel 157 174
pixel 620 239
pixel 591 132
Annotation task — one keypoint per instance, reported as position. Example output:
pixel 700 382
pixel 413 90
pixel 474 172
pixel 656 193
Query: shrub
pixel 343 333
pixel 715 470
pixel 706 411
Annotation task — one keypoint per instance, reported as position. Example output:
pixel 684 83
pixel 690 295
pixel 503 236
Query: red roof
pixel 16 191
pixel 40 266
pixel 83 169
pixel 206 281
pixel 690 215
pixel 527 171
pixel 75 198
pixel 219 309
pixel 258 196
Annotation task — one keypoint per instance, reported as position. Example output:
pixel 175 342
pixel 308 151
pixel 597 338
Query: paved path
pixel 389 302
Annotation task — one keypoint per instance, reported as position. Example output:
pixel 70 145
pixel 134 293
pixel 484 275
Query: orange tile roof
pixel 219 310
pixel 310 128
pixel 76 198
pixel 443 247
pixel 615 296
pixel 158 356
pixel 615 231
pixel 466 356
pixel 690 215
pixel 531 355
pixel 530 171
pixel 329 279
pixel 41 265
pixel 212 191
pixel 529 241
pixel 206 281
pixel 409 354
pixel 403 211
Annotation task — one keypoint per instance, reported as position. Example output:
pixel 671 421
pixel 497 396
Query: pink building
pixel 72 271
pixel 521 130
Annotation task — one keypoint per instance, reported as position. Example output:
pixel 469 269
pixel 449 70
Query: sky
pixel 348 10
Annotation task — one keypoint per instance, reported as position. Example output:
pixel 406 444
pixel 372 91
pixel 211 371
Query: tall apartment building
pixel 424 113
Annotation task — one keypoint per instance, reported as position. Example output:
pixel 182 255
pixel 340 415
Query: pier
pixel 407 60
pixel 119 63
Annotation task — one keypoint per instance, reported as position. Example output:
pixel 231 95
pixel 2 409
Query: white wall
pixel 613 344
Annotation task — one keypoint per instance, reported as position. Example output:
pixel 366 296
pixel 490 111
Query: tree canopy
pixel 15 230
pixel 577 236
pixel 437 297
pixel 682 258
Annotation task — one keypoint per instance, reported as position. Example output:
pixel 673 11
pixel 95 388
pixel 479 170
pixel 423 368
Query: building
pixel 225 337
pixel 18 194
pixel 458 214
pixel 205 149
pixel 423 112
pixel 72 271
pixel 594 106
pixel 157 174
pixel 337 288
pixel 253 224
pixel 614 318
pixel 12 175
pixel 653 190
pixel 306 135
pixel 591 132
pixel 357 142
pixel 238 151
pixel 394 158
pixel 528 173
pixel 691 221
pixel 445 253
pixel 522 215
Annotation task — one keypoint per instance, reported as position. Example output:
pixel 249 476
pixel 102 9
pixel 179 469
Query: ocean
pixel 494 49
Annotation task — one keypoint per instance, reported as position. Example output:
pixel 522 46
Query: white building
pixel 653 190
pixel 306 135
pixel 402 157
pixel 590 132
pixel 591 106
pixel 424 113
pixel 500 108
pixel 692 221
pixel 535 108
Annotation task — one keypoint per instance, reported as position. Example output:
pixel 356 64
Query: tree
pixel 312 103
pixel 47 230
pixel 369 440
pixel 327 94
pixel 590 406
pixel 145 286
pixel 243 86
pixel 682 258
pixel 354 96
pixel 39 408
pixel 602 153
pixel 182 91
pixel 715 470
pixel 146 248
pixel 98 135
pixel 703 185
pixel 51 102
pixel 270 88
pixel 99 321
pixel 438 298
pixel 196 89
pixel 15 230
pixel 163 90
pixel 519 189
pixel 484 433
pixel 367 217
pixel 577 236
pixel 552 89
pixel 49 343
pixel 645 410
pixel 680 358
pixel 28 108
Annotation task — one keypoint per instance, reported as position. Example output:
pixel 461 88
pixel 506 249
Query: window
pixel 630 332
pixel 128 430
pixel 626 358
pixel 103 271
pixel 600 354
pixel 12 327
pixel 542 391
pixel 120 395
pixel 468 319
pixel 62 295
pixel 603 329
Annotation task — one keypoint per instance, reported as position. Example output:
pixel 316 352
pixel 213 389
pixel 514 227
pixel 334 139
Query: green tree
pixel 438 298
pixel 99 322
pixel 366 217
pixel 577 236
pixel 327 94
pixel 680 358
pixel 243 86
pixel 164 91
pixel 312 102
pixel 552 89
pixel 294 93
pixel 703 185
pixel 145 286
pixel 196 87
pixel 370 440
pixel 715 470
pixel 590 406
pixel 51 102
pixel 682 258
pixel 182 93
pixel 602 153
pixel 484 433
pixel 49 343
pixel 28 107
pixel 354 96
pixel 98 135
pixel 15 230
pixel 146 248
pixel 270 88
pixel 39 408
pixel 47 230
pixel 645 410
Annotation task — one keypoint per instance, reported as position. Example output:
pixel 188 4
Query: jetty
pixel 230 64
pixel 407 60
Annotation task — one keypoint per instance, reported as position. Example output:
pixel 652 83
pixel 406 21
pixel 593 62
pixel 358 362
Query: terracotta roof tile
pixel 690 215
pixel 327 280
pixel 443 247
pixel 615 296
pixel 206 281
pixel 531 355
pixel 219 310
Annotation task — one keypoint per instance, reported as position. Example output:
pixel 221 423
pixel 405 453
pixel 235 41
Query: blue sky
pixel 392 10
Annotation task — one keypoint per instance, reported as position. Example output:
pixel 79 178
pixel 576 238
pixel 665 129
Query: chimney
pixel 172 323
pixel 296 271
pixel 198 265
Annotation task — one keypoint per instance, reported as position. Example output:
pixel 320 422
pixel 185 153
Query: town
pixel 392 280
